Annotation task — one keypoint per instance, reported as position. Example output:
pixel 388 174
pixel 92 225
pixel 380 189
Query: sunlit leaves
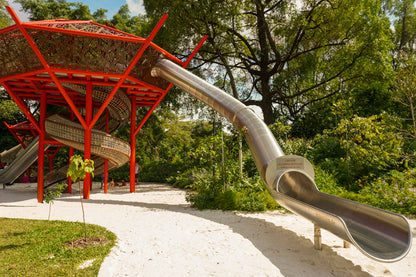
pixel 78 168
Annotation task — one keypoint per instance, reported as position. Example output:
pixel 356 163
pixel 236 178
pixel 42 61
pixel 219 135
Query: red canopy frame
pixel 47 59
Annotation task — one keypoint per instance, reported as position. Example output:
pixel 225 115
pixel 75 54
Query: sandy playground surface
pixel 160 235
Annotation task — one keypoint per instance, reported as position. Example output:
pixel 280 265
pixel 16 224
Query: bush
pixel 358 148
pixel 121 173
pixel 326 182
pixel 230 193
pixel 160 171
pixel 395 191
pixel 289 145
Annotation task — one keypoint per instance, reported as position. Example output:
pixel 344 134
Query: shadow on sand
pixel 274 242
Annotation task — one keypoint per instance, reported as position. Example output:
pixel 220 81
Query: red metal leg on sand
pixel 71 153
pixel 87 139
pixel 106 160
pixel 41 154
pixel 133 145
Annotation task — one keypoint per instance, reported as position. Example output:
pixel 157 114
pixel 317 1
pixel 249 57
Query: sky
pixel 135 6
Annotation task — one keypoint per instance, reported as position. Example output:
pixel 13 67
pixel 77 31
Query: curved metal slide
pixel 22 162
pixel 379 234
pixel 7 156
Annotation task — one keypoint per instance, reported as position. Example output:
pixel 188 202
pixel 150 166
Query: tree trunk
pixel 266 107
pixel 264 76
pixel 83 212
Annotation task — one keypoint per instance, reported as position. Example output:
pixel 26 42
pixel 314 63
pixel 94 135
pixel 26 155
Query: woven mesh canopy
pixel 101 75
pixel 60 56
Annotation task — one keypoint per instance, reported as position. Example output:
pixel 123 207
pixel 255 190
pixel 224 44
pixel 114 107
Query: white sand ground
pixel 160 235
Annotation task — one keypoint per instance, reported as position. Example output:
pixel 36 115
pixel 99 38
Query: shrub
pixel 395 191
pixel 230 193
pixel 358 148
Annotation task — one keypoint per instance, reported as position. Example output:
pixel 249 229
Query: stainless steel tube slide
pixel 22 162
pixel 379 234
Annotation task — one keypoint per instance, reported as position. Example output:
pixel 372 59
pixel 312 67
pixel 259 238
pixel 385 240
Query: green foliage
pixel 358 148
pixel 277 55
pixel 394 191
pixel 5 19
pixel 247 194
pixel 130 24
pixel 40 248
pixel 79 168
pixel 50 195
pixel 11 114
pixel 50 9
pixel 160 171
pixel 326 182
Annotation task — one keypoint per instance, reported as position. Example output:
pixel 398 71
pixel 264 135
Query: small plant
pixel 51 194
pixel 78 170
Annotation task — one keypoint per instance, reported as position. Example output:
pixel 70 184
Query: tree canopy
pixel 5 19
pixel 282 55
pixel 52 9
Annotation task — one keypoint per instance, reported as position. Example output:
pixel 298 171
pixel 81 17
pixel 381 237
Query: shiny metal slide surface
pixel 381 235
pixel 22 162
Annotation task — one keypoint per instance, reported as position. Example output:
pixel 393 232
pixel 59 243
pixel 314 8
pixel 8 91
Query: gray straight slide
pixel 379 234
pixel 22 162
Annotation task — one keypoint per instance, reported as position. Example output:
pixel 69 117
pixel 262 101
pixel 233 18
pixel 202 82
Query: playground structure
pixel 98 73
pixel 102 75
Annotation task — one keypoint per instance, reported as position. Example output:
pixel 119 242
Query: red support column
pixel 41 154
pixel 133 144
pixel 106 160
pixel 50 162
pixel 71 153
pixel 87 138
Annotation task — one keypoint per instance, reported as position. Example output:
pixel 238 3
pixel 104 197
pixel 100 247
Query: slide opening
pixel 379 234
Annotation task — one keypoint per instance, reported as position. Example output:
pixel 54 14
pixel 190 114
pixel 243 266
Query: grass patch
pixel 45 248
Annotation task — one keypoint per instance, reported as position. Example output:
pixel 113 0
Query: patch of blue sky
pixel 135 7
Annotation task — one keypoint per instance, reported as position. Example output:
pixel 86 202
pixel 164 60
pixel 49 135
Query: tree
pixel 51 194
pixel 281 55
pixel 78 169
pixel 10 113
pixel 53 9
pixel 5 19
pixel 5 102
pixel 403 17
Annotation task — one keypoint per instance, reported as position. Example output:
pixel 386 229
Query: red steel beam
pixel 201 42
pixel 185 64
pixel 45 64
pixel 133 144
pixel 22 105
pixel 87 138
pixel 14 134
pixel 130 67
pixel 41 154
pixel 82 33
pixel 107 117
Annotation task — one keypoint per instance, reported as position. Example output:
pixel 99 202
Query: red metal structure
pixel 99 74
pixel 24 133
